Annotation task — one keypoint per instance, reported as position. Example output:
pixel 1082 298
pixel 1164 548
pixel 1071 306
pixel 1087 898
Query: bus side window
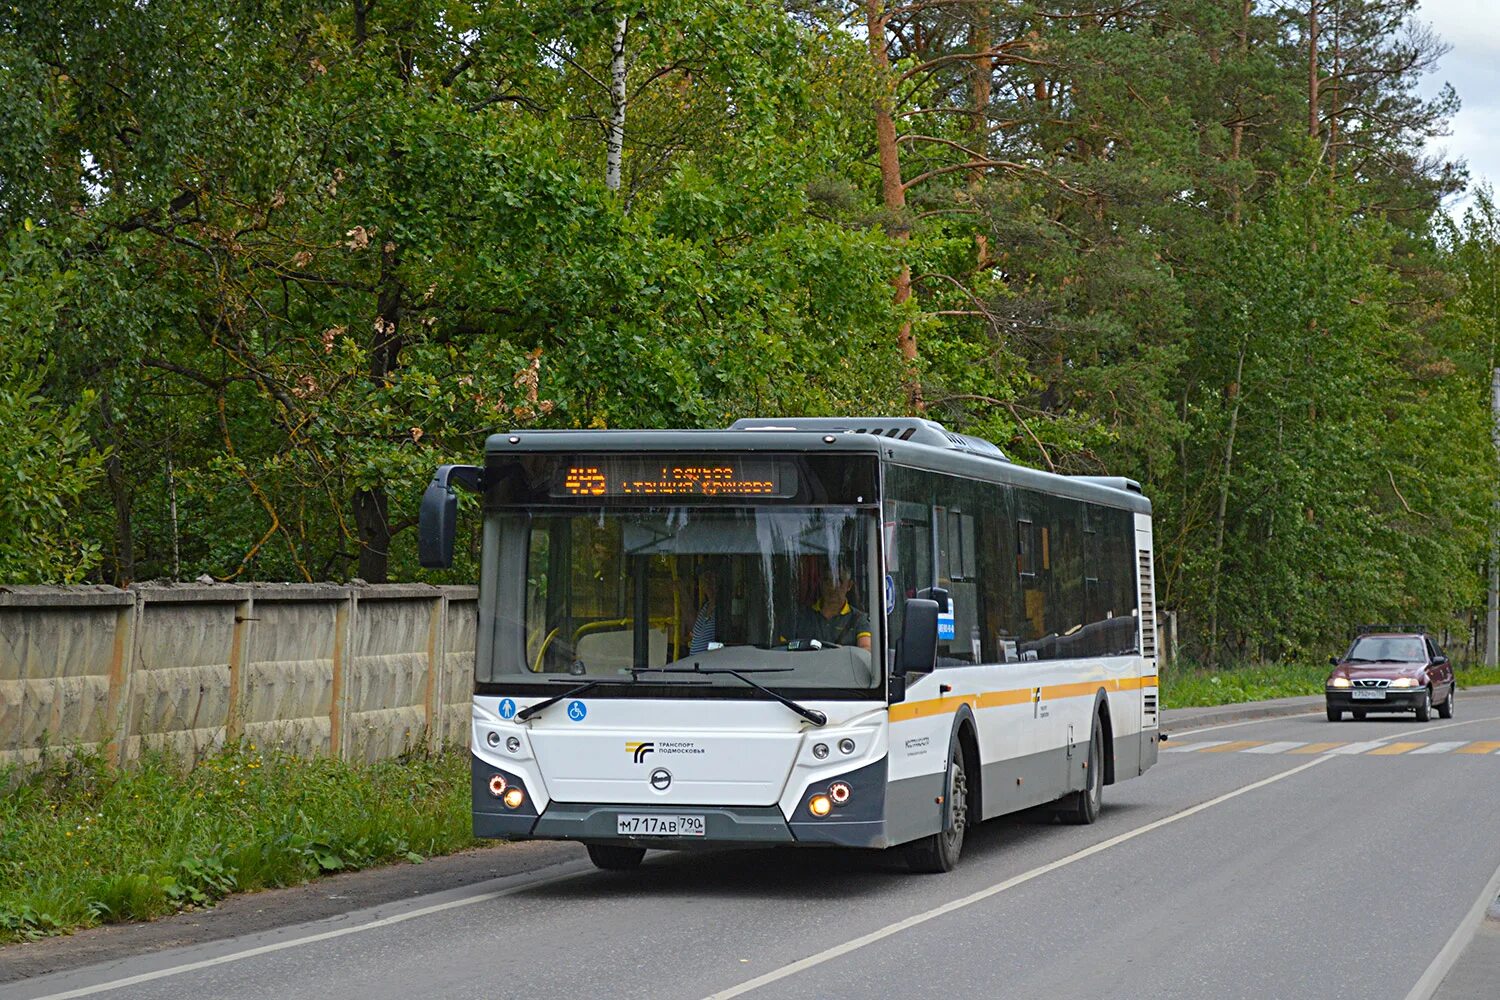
pixel 908 542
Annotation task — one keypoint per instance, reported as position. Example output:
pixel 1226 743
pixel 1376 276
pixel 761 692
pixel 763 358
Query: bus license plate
pixel 1369 695
pixel 659 826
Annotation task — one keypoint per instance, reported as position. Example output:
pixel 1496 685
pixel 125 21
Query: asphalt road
pixel 1254 861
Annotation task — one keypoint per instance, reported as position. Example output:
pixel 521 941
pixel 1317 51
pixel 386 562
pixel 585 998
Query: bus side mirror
pixel 439 514
pixel 916 652
pixel 938 594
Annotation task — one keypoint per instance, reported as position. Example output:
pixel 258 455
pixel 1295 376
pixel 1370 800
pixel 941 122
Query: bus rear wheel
pixel 938 853
pixel 614 857
pixel 1082 808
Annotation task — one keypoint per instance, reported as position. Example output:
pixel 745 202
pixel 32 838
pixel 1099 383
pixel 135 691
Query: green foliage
pixel 83 844
pixel 284 257
pixel 47 465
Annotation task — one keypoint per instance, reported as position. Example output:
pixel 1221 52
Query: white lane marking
pixel 1446 746
pixel 1277 748
pixel 266 949
pixel 1432 729
pixel 1365 747
pixel 1444 961
pixel 1195 746
pixel 888 930
pixel 1278 718
pixel 1232 725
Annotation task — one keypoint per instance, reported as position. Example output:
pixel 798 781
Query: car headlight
pixel 1338 682
pixel 1403 682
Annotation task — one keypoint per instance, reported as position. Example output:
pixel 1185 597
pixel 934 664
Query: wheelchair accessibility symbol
pixel 577 710
pixel 507 708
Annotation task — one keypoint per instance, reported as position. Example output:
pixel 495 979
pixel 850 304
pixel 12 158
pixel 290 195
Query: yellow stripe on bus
pixel 934 706
pixel 1013 696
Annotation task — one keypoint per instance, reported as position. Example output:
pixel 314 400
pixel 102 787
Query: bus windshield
pixel 586 592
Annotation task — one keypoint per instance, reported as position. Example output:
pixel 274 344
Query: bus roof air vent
pixel 913 429
pixel 1114 483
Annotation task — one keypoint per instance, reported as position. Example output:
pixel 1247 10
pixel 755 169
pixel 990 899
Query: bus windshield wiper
pixel 531 711
pixel 542 706
pixel 812 715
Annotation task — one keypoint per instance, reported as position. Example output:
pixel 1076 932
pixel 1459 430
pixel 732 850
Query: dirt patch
pixel 249 913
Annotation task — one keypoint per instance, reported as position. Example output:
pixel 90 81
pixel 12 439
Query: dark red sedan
pixel 1391 669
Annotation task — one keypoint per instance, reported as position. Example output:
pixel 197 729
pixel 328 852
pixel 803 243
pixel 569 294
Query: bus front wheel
pixel 614 857
pixel 939 852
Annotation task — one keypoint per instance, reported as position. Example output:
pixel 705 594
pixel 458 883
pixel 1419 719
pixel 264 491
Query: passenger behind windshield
pixel 704 633
pixel 829 618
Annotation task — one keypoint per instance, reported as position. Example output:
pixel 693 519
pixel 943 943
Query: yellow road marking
pixel 1482 747
pixel 1391 749
pixel 1316 748
pixel 1231 747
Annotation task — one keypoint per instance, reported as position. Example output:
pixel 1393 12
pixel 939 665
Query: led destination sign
pixel 610 476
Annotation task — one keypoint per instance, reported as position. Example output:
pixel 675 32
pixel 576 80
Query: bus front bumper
pixel 745 826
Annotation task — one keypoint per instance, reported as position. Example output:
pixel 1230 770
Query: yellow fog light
pixel 820 805
pixel 513 798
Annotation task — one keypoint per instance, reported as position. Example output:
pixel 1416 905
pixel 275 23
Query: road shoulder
pixel 249 913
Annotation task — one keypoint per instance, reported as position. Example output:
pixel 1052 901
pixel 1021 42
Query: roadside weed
pixel 84 844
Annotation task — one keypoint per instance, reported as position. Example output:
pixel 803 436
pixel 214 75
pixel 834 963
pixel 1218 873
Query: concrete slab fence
pixel 359 672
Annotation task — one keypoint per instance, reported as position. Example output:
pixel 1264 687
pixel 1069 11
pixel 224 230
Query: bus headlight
pixel 820 750
pixel 513 744
pixel 492 738
pixel 846 745
pixel 839 792
pixel 497 785
pixel 513 798
pixel 820 805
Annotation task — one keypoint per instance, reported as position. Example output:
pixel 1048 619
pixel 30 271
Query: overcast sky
pixel 1472 28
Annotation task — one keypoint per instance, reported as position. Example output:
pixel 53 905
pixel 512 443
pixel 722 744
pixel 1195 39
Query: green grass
pixel 82 844
pixel 1474 676
pixel 1187 686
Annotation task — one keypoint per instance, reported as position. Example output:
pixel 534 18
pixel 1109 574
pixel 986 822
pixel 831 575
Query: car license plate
pixel 1369 695
pixel 660 826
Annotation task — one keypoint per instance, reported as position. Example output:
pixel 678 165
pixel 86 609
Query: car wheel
pixel 1334 715
pixel 1445 710
pixel 1424 710
pixel 938 853
pixel 614 857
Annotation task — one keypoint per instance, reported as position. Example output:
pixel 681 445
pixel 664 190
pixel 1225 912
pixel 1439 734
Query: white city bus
pixel 859 632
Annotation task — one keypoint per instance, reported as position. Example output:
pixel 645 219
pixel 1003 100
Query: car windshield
pixel 1388 649
pixel 585 593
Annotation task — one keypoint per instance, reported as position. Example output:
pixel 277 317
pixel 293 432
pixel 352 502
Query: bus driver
pixel 830 618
